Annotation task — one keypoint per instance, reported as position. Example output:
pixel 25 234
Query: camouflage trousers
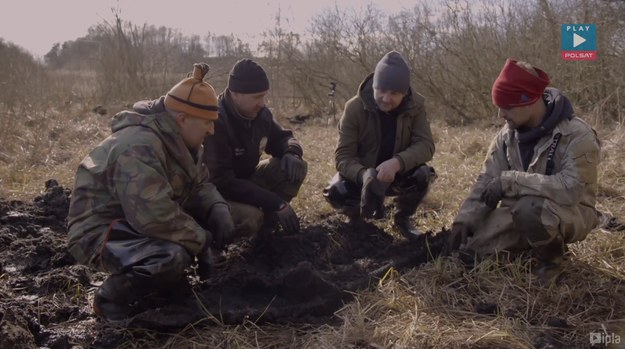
pixel 531 223
pixel 269 175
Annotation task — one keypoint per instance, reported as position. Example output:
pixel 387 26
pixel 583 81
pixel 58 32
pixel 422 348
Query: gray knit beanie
pixel 392 73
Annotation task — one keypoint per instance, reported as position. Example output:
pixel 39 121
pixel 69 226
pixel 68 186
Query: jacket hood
pixel 558 104
pixel 161 124
pixel 165 128
pixel 127 119
pixel 559 108
pixel 150 107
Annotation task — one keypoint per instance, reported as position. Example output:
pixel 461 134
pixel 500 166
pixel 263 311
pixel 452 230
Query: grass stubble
pixel 442 304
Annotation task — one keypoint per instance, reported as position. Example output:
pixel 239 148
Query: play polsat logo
pixel 579 42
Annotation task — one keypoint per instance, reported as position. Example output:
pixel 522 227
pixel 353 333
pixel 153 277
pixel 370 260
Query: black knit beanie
pixel 247 77
pixel 392 73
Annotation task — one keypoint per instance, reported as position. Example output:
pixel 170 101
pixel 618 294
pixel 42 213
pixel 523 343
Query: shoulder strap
pixel 551 154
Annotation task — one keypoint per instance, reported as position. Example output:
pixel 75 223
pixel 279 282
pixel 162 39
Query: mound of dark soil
pixel 301 278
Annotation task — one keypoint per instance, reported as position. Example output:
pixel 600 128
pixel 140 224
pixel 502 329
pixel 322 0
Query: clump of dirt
pixel 301 278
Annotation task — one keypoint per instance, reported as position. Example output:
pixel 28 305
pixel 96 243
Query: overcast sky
pixel 37 24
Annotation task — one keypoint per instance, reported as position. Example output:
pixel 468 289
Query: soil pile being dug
pixel 304 278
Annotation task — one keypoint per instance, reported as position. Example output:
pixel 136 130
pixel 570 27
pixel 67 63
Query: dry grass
pixel 442 304
pixel 46 144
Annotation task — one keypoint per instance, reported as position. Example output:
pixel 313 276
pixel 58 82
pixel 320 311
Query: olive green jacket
pixel 360 138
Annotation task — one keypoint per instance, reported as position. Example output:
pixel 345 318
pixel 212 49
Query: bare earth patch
pixel 301 279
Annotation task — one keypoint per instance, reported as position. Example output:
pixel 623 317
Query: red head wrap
pixel 516 87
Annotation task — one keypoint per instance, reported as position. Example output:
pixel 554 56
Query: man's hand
pixel 220 225
pixel 388 169
pixel 288 219
pixel 457 238
pixel 372 194
pixel 492 193
pixel 294 167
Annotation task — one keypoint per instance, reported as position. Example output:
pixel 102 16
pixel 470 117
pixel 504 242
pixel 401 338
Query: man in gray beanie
pixel 258 192
pixel 384 143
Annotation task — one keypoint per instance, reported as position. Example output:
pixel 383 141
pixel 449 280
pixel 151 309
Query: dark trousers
pixel 408 189
pixel 140 265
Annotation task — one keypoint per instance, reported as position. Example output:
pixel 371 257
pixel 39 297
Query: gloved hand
pixel 220 225
pixel 294 167
pixel 288 219
pixel 492 193
pixel 372 195
pixel 458 237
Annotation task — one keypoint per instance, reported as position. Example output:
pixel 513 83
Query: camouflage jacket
pixel 145 174
pixel 573 180
pixel 360 136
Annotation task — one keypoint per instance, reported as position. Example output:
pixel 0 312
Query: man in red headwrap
pixel 538 185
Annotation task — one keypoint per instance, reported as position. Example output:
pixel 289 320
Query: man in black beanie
pixel 258 192
pixel 384 142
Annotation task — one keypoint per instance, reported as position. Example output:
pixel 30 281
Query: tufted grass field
pixel 442 304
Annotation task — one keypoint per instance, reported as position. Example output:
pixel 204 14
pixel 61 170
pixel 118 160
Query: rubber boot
pixel 118 298
pixel 406 206
pixel 404 226
pixel 353 215
pixel 550 258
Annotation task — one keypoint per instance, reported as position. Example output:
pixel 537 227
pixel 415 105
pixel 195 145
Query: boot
pixel 404 226
pixel 353 215
pixel 406 205
pixel 117 299
pixel 550 258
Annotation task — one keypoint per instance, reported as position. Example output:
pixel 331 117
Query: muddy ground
pixel 45 298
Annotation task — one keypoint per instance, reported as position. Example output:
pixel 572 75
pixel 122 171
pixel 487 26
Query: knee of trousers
pixel 252 222
pixel 300 182
pixel 290 190
pixel 166 262
pixel 247 218
pixel 539 226
pixel 341 193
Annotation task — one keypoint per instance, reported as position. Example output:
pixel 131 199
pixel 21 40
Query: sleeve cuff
pixel 509 185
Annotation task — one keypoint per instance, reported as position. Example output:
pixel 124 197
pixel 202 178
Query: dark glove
pixel 288 219
pixel 458 237
pixel 492 193
pixel 204 260
pixel 220 225
pixel 294 167
pixel 372 195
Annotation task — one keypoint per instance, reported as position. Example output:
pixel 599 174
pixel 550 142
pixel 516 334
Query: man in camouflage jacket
pixel 142 207
pixel 541 166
